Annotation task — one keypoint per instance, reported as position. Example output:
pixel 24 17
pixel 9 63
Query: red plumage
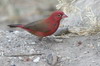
pixel 44 27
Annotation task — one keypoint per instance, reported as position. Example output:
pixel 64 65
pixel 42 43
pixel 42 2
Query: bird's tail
pixel 16 25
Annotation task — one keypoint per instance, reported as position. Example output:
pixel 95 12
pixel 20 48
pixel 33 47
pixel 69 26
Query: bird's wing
pixel 40 26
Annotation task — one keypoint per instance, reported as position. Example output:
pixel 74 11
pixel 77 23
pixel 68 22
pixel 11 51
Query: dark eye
pixel 59 15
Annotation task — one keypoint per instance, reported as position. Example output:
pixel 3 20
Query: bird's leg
pixel 55 39
pixel 38 39
pixel 61 37
pixel 49 39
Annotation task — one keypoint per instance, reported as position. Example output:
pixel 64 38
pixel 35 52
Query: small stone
pixel 10 58
pixel 91 46
pixel 9 40
pixel 33 43
pixel 20 58
pixel 86 52
pixel 79 43
pixel 31 57
pixel 52 59
pixel 16 32
pixel 68 58
pixel 10 30
pixel 2 54
pixel 93 61
pixel 63 59
pixel 98 44
pixel 27 59
pixel 13 65
pixel 31 51
pixel 58 40
pixel 36 59
pixel 80 56
pixel 7 36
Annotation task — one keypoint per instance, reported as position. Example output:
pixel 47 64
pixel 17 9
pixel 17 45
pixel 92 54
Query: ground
pixel 18 48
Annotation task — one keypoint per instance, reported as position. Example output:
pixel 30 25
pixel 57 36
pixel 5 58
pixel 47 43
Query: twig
pixel 21 55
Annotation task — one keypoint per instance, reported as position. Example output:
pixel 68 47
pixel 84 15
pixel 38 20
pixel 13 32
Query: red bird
pixel 44 27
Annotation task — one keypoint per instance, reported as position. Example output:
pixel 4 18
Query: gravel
pixel 18 48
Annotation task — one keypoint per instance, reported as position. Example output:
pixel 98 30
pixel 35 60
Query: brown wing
pixel 38 26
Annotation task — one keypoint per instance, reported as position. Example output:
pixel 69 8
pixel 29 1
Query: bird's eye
pixel 59 15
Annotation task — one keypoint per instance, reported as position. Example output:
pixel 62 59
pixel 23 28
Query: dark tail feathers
pixel 15 25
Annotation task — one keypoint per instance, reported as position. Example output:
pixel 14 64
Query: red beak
pixel 64 16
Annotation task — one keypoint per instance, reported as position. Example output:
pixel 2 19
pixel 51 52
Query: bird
pixel 44 27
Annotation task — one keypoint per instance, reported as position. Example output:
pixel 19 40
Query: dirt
pixel 18 48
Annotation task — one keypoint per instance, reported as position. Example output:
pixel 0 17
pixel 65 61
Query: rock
pixel 32 51
pixel 33 43
pixel 59 40
pixel 52 59
pixel 13 65
pixel 83 15
pixel 36 59
pixel 61 31
pixel 16 32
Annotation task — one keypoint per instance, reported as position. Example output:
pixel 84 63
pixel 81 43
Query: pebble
pixel 2 54
pixel 58 40
pixel 36 59
pixel 10 30
pixel 52 59
pixel 86 52
pixel 20 58
pixel 9 40
pixel 13 65
pixel 31 57
pixel 16 32
pixel 98 44
pixel 33 43
pixel 91 46
pixel 27 59
pixel 93 61
pixel 31 51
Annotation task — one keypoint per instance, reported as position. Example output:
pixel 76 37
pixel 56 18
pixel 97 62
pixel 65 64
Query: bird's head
pixel 58 15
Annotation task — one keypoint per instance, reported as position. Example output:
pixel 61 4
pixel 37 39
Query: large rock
pixel 84 15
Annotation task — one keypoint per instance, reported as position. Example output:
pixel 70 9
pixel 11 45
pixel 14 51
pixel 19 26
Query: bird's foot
pixel 38 40
pixel 53 40
pixel 61 37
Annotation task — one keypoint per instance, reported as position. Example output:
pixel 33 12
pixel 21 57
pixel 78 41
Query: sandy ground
pixel 18 48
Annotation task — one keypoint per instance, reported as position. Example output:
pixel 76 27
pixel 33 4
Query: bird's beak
pixel 64 16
